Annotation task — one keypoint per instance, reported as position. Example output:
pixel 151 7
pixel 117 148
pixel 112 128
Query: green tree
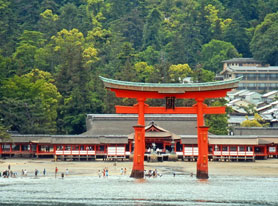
pixel 250 123
pixel 217 24
pixel 131 28
pixel 126 58
pixel 72 17
pixel 25 52
pixel 152 30
pixel 265 7
pixel 257 121
pixel 144 72
pixel 150 55
pixel 214 52
pixel 7 25
pixel 178 72
pixel 183 37
pixel 76 56
pixel 4 135
pixel 264 44
pixel 202 75
pixel 48 23
pixel 238 35
pixel 5 67
pixel 218 123
pixel 29 102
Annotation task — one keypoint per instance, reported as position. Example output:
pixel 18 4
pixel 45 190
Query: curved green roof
pixel 170 87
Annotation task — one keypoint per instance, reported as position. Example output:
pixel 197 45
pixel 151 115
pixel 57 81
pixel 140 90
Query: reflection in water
pixel 122 190
pixel 203 181
pixel 140 180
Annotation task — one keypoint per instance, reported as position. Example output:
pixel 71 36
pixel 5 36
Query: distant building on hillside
pixel 250 96
pixel 256 76
pixel 239 62
pixel 270 96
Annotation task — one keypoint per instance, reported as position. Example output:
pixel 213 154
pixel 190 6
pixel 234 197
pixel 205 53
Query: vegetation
pixel 4 135
pixel 257 121
pixel 52 52
pixel 218 123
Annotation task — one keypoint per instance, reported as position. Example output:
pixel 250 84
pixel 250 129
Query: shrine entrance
pixel 170 92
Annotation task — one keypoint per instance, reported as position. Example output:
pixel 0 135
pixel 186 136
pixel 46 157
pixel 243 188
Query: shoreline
pixel 260 168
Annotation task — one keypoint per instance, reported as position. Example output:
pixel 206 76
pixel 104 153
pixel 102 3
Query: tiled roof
pixel 253 68
pixel 139 86
pixel 270 93
pixel 122 124
pixel 241 60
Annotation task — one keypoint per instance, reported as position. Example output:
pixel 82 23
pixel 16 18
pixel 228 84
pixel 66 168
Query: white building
pixel 256 76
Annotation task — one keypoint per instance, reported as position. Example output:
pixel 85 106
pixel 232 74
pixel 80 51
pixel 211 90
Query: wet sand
pixel 262 168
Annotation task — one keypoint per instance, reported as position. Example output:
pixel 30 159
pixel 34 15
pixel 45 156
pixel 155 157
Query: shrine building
pixel 111 137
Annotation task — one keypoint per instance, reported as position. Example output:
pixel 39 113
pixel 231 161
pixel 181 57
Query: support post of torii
pixel 139 138
pixel 202 135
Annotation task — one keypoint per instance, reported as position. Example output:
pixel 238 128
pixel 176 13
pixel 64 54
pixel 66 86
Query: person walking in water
pixel 44 171
pixel 106 172
pixel 56 171
pixel 36 172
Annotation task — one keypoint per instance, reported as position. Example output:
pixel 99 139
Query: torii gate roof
pixel 170 88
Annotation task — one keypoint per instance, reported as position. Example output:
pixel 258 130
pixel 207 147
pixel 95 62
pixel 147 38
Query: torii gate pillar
pixel 202 163
pixel 202 133
pixel 139 146
pixel 139 152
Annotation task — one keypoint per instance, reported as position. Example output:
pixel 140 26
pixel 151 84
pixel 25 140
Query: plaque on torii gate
pixel 170 92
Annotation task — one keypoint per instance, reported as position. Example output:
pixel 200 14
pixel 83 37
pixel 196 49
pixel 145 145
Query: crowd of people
pixel 101 173
pixel 9 173
pixel 152 173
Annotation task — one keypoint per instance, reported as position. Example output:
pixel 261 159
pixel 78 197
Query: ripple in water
pixel 122 190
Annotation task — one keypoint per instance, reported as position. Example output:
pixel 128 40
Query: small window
pixel 233 149
pixel 241 149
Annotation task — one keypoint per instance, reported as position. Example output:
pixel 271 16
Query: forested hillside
pixel 52 51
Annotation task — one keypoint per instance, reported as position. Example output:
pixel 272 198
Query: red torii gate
pixel 170 91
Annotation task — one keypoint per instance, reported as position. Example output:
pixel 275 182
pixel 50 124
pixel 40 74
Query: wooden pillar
pixel 139 152
pixel 139 146
pixel 202 170
pixel 202 163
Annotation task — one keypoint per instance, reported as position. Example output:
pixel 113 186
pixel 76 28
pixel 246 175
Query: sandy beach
pixel 262 168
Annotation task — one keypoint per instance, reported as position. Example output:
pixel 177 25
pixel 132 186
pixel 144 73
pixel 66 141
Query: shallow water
pixel 122 190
